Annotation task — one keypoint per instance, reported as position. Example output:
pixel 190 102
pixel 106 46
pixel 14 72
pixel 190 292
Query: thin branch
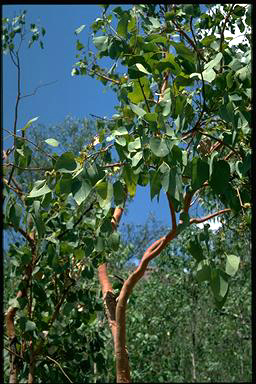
pixel 24 234
pixel 58 364
pixel 224 26
pixel 142 90
pixel 198 220
pixel 200 66
pixel 57 308
pixel 221 142
pixel 31 142
pixel 105 77
pixel 39 86
pixel 16 190
pixel 14 353
pixel 16 111
pixel 78 221
pixel 99 117
pixel 189 40
pixel 26 169
pixel 112 165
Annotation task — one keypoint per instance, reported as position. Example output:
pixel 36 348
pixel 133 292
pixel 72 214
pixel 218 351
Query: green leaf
pixel 74 72
pixel 159 146
pixel 15 215
pixel 155 184
pixel 137 95
pixel 106 227
pixel 14 303
pixel 133 146
pixel 29 123
pixel 123 25
pixel 52 142
pixel 214 62
pixel 101 42
pixel 219 284
pixel 80 29
pixel 203 271
pixel 200 173
pixel 30 326
pixel 66 163
pixel 208 40
pixel 38 219
pixel 209 75
pixel 79 254
pixel 150 117
pixel 119 193
pixel 79 46
pixel 141 68
pixel 167 108
pixel 114 240
pixel 80 190
pixel 120 131
pixel 39 189
pixel 232 264
pixel 137 110
pixel 105 193
pixel 220 176
pixel 67 309
pixel 130 180
pixel 121 141
pixel 195 249
pixel 137 158
pixel 164 169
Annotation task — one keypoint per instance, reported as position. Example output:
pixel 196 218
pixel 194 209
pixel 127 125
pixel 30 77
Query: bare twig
pixel 31 142
pixel 58 364
pixel 16 110
pixel 39 86
pixel 26 169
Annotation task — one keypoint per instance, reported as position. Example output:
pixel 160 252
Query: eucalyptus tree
pixel 182 127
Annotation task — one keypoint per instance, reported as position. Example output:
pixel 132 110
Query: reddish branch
pixel 198 220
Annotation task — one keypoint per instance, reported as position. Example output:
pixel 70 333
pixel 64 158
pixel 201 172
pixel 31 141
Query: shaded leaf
pixel 232 264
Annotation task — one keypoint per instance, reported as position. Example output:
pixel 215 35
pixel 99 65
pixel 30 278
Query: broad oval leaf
pixel 52 142
pixel 66 163
pixel 81 191
pixel 220 176
pixel 101 42
pixel 42 190
pixel 158 146
pixel 203 272
pixel 137 110
pixel 200 173
pixel 142 69
pixel 219 284
pixel 80 29
pixel 232 264
pixel 209 75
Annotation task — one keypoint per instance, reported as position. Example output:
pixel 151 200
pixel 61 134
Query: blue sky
pixel 75 96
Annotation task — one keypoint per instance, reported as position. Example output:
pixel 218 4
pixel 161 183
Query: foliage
pixel 182 127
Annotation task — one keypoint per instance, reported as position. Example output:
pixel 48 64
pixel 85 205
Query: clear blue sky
pixel 75 96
